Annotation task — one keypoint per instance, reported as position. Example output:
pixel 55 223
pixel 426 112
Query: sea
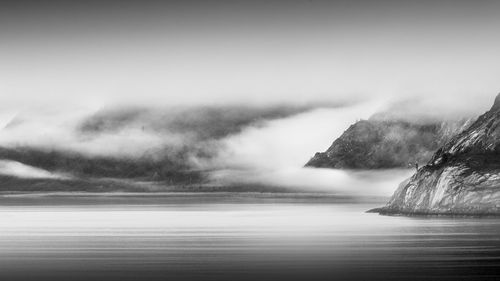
pixel 236 236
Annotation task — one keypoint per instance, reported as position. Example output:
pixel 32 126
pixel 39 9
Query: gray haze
pixel 90 53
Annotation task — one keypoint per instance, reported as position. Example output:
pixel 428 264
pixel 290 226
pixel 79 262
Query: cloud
pixel 289 142
pixel 274 154
pixel 341 182
pixel 20 170
pixel 57 130
pixel 261 145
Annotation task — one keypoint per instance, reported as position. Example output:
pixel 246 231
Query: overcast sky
pixel 205 52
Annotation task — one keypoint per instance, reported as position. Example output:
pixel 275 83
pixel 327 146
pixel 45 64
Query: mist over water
pixel 275 154
pixel 262 146
pixel 13 168
pixel 249 146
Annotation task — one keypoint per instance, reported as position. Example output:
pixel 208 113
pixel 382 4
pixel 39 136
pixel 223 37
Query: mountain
pixel 381 143
pixel 125 148
pixel 462 177
pixel 84 166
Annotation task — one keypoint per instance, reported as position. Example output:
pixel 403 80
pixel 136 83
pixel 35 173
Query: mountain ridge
pixel 386 143
pixel 462 177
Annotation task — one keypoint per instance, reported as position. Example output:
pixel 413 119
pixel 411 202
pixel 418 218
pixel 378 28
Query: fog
pixel 135 131
pixel 237 145
pixel 234 144
pixel 16 169
pixel 58 130
pixel 275 154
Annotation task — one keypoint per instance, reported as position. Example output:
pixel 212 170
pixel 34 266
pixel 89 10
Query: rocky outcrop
pixel 463 177
pixel 386 143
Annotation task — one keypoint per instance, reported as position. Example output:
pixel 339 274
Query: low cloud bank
pixel 341 182
pixel 274 154
pixel 159 144
pixel 20 170
pixel 288 142
pixel 231 144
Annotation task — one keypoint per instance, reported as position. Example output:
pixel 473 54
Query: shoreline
pixel 394 213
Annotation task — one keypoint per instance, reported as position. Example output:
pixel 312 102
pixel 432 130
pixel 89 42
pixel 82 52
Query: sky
pixel 62 61
pixel 90 53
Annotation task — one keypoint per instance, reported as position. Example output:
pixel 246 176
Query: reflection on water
pixel 234 240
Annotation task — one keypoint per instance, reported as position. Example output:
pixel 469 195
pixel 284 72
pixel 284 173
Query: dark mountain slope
pixel 463 177
pixel 381 143
pixel 142 168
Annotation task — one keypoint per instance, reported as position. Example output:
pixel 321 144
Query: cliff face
pixel 380 143
pixel 463 177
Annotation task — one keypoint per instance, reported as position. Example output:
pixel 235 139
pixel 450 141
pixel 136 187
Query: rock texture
pixel 381 144
pixel 463 177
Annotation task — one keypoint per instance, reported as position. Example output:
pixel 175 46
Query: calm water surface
pixel 243 238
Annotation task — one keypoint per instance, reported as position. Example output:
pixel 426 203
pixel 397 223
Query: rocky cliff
pixel 463 176
pixel 386 143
